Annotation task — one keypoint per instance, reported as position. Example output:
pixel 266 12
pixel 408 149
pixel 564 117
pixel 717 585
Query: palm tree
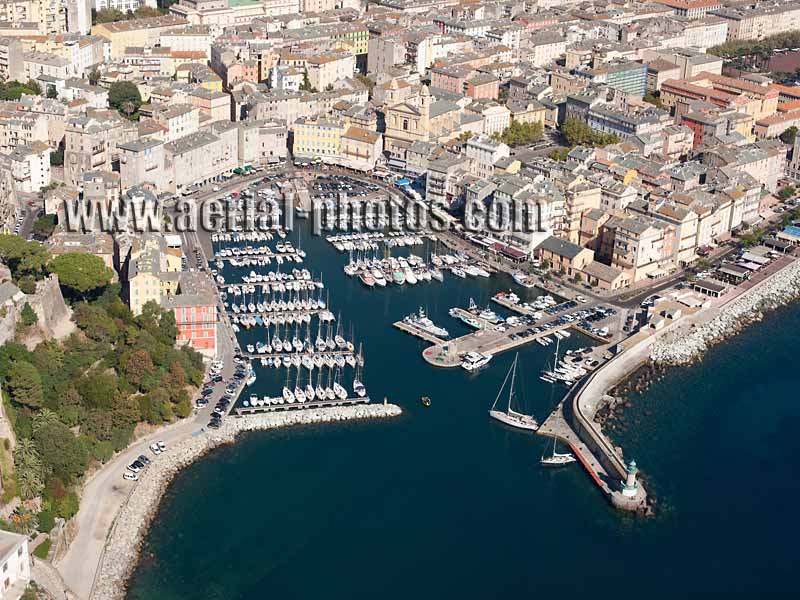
pixel 25 450
pixel 44 417
pixel 29 483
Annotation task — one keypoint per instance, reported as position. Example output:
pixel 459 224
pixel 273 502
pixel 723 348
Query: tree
pixel 81 272
pixel 306 83
pixel 94 76
pixel 786 192
pixel 52 93
pixel 144 12
pixel 125 97
pixel 367 81
pixel 44 417
pixel 44 226
pixel 22 257
pixel 522 134
pixel 654 99
pixel 28 315
pixel 138 364
pixel 57 159
pixel 62 454
pixel 107 15
pixel 25 385
pixel 788 136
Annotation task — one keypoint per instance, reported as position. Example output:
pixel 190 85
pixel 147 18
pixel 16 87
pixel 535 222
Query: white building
pixel 124 5
pixel 30 167
pixel 484 152
pixel 15 565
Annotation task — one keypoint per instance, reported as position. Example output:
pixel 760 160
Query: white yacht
pixel 474 361
pixel 421 321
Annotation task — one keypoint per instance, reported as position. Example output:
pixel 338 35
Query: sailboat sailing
pixel 510 416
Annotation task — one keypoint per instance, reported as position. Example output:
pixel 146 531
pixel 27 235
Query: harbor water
pixel 445 502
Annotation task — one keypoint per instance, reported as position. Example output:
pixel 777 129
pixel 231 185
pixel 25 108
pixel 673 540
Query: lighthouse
pixel 630 487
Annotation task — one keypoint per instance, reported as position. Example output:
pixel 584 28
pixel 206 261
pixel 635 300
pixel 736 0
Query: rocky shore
pixel 124 541
pixel 685 347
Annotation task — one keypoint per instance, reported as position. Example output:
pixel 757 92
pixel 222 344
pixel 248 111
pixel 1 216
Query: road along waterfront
pixel 122 546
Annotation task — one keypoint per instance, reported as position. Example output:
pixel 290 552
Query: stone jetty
pixel 781 288
pixel 126 536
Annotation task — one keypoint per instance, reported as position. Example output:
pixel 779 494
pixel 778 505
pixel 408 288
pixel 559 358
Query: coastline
pixel 124 541
pixel 681 348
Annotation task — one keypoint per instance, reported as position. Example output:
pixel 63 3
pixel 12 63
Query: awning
pixel 509 252
pixel 397 163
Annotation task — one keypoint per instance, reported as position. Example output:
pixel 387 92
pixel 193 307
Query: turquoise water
pixel 446 503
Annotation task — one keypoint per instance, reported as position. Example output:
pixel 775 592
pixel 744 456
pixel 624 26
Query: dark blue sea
pixel 444 502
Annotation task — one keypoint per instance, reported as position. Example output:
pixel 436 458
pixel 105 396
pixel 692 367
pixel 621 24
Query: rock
pixel 127 533
pixel 781 288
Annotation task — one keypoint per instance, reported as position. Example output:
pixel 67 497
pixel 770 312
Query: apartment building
pixel 137 32
pixel 203 156
pixel 153 272
pixel 90 142
pixel 318 137
pixel 143 161
pixel 484 153
pixel 643 247
pixel 760 20
pixel 30 167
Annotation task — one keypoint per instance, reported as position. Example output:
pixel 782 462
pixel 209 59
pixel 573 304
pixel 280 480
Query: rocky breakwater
pixel 781 288
pixel 127 534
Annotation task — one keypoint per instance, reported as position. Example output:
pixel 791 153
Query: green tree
pixel 52 93
pixel 367 81
pixel 56 160
pixel 44 226
pixel 25 385
pixel 107 15
pixel 125 97
pixel 22 257
pixel 94 76
pixel 62 454
pixel 305 85
pixel 44 417
pixel 788 136
pixel 81 272
pixel 786 192
pixel 654 99
pixel 28 315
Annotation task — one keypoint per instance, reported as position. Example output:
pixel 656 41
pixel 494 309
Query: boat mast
pixel 501 388
pixel 513 376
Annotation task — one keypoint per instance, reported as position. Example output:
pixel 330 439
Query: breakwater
pixel 124 541
pixel 681 347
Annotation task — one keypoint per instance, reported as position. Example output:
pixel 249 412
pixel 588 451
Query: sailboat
pixel 557 459
pixel 510 416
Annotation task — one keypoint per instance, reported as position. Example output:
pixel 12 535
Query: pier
pixel 416 331
pixel 254 410
pixel 572 422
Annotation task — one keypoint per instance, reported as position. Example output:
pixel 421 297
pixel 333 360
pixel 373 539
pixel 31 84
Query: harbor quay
pixel 131 523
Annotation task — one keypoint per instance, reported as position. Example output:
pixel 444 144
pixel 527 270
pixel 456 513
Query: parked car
pixel 144 460
pixel 130 476
pixel 162 445
pixel 135 466
pixel 155 449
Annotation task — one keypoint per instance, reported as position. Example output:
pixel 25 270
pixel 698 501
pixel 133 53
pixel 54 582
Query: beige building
pixel 137 32
pixel 142 162
pixel 203 156
pixel 361 148
pixel 90 142
pixel 326 69
pixel 153 272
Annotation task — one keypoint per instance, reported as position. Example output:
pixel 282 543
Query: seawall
pixel 127 534
pixel 779 289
